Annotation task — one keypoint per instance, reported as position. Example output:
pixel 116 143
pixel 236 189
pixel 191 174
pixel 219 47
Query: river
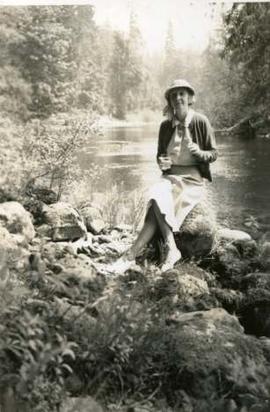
pixel 240 190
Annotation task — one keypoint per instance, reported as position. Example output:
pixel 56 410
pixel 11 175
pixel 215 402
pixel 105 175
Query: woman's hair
pixel 168 110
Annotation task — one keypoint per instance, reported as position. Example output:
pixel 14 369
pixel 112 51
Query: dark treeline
pixel 56 58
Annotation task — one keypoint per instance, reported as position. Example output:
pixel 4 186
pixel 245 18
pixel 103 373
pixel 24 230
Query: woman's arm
pixel 160 148
pixel 207 151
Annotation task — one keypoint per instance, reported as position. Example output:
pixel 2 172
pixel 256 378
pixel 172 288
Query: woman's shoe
pixel 172 258
pixel 121 265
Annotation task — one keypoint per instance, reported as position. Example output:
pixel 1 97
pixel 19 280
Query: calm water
pixel 241 179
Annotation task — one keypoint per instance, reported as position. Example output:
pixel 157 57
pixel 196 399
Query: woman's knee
pixel 155 207
pixel 150 215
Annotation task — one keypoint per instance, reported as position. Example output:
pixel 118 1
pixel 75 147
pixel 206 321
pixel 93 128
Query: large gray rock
pixel 17 220
pixel 180 286
pixel 12 254
pixel 210 351
pixel 87 404
pixel 197 234
pixel 62 222
pixel 233 236
pixel 209 323
pixel 93 219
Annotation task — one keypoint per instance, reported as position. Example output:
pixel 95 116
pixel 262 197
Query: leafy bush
pixel 11 176
pixel 50 147
pixel 33 358
pixel 44 152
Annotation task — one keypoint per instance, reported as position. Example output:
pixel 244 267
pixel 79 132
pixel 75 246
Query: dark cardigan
pixel 201 133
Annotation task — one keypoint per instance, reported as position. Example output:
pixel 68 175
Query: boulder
pixel 62 222
pixel 93 219
pixel 17 220
pixel 180 286
pixel 12 254
pixel 53 252
pixel 81 404
pixel 191 286
pixel 233 260
pixel 210 351
pixel 196 237
pixel 78 267
pixel 233 236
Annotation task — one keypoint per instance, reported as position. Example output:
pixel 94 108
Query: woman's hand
pixel 194 148
pixel 164 162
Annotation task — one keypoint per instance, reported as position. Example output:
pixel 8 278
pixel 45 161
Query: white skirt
pixel 176 195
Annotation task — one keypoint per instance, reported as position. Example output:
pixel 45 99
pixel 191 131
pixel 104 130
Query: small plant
pixel 49 151
pixel 122 207
pixel 33 359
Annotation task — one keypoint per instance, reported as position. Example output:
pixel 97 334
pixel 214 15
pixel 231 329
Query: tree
pixel 46 58
pixel 135 66
pixel 15 91
pixel 93 52
pixel 247 39
pixel 54 42
pixel 118 76
pixel 168 68
pixel 127 71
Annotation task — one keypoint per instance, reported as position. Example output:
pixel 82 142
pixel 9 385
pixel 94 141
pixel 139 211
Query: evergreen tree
pixel 118 76
pixel 168 69
pixel 135 65
pixel 50 54
pixel 93 53
pixel 15 91
pixel 247 40
pixel 127 71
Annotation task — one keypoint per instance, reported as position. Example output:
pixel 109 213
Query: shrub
pixel 33 359
pixel 50 147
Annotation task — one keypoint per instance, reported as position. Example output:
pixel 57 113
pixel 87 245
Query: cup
pixel 165 162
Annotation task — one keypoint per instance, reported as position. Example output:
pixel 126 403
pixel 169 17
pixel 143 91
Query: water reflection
pixel 240 175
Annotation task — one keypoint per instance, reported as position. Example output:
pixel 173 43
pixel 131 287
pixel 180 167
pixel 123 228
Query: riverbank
pixel 195 338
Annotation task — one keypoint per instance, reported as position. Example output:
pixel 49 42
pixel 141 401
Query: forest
pixel 56 59
pixel 58 64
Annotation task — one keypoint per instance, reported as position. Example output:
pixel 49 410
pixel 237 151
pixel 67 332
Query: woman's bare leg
pixel 173 254
pixel 147 232
pixel 164 227
pixel 155 220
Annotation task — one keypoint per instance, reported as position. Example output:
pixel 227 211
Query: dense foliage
pixel 44 48
pixel 55 59
pixel 247 39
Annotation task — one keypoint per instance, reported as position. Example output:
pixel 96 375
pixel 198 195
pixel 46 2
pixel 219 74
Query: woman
pixel 186 146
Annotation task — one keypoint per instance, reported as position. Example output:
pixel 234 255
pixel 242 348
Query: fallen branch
pixel 245 120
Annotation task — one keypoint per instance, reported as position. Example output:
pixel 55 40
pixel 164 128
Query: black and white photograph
pixel 134 206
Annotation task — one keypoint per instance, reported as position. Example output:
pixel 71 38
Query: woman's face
pixel 179 99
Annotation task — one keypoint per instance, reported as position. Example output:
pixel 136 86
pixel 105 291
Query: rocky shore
pixel 196 338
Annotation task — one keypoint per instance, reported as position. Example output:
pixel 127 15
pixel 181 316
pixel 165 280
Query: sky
pixel 192 21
